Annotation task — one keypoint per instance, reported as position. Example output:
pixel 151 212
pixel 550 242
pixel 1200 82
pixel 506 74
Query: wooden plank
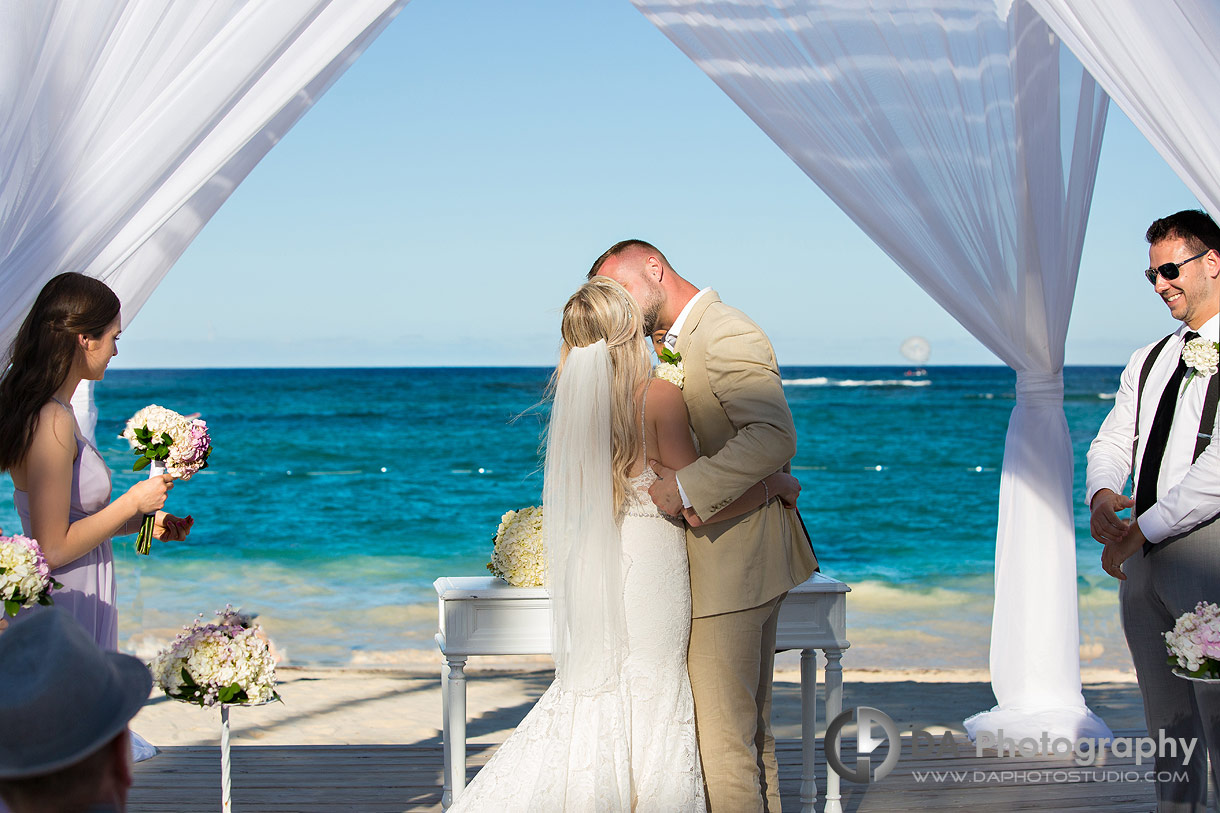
pixel 408 778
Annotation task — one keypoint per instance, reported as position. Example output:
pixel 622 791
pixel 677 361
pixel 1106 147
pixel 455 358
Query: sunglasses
pixel 1169 271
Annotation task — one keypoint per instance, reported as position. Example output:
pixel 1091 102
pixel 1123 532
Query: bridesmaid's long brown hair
pixel 68 306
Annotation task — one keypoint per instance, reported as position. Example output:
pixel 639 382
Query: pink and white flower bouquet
pixel 25 578
pixel 227 661
pixel 1194 643
pixel 173 444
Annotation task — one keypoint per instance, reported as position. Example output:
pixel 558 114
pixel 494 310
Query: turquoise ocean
pixel 335 497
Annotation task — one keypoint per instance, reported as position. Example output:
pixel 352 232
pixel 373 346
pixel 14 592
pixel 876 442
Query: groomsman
pixel 1162 432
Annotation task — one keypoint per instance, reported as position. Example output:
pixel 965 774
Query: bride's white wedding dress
pixel 629 748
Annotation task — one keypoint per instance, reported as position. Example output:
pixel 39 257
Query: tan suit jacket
pixel 745 431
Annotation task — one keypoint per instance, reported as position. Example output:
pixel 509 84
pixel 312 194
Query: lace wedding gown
pixel 632 748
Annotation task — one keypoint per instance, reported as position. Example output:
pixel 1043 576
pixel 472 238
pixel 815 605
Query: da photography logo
pixel 865 718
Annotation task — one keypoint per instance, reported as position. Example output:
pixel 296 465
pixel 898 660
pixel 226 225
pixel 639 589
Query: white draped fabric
pixel 125 124
pixel 1157 61
pixel 964 140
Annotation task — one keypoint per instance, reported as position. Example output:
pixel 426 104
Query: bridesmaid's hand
pixel 169 528
pixel 149 495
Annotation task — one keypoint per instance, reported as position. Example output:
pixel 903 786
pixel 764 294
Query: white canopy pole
pixel 963 140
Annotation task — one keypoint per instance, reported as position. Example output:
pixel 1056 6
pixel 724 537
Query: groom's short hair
pixel 623 246
pixel 1193 226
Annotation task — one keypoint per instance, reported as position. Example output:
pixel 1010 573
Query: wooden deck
pixel 408 778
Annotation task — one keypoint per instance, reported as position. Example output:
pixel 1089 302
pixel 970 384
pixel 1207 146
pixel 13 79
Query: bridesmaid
pixel 62 485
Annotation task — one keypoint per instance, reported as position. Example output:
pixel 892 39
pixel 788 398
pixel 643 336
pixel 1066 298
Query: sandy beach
pixel 403 706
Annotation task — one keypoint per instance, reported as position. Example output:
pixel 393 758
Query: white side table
pixel 485 616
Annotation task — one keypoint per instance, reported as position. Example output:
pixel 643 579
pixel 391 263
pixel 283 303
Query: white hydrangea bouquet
pixel 670 367
pixel 227 661
pixel 1202 358
pixel 172 444
pixel 25 578
pixel 1194 643
pixel 517 554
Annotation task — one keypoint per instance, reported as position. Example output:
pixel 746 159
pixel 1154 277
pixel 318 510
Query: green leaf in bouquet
pixel 160 452
pixel 141 463
pixel 669 356
pixel 233 693
pixel 11 607
pixel 3 571
pixel 45 600
pixel 166 439
pixel 142 434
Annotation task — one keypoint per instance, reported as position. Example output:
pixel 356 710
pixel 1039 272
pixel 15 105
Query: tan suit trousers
pixel 731 662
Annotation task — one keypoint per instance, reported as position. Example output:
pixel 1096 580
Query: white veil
pixel 581 538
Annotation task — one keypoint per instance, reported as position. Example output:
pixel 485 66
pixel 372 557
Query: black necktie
pixel 1158 435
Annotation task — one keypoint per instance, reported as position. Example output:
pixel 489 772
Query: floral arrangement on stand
pixel 670 367
pixel 1194 643
pixel 227 661
pixel 517 554
pixel 25 578
pixel 170 443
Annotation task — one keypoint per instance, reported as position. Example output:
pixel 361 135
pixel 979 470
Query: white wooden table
pixel 485 616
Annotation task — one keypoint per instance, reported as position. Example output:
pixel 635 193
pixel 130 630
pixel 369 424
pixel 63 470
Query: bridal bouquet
pixel 227 661
pixel 517 555
pixel 1194 643
pixel 171 443
pixel 25 578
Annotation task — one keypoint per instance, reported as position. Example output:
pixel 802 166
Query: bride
pixel 616 729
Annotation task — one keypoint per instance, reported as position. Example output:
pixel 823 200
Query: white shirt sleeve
pixel 1109 454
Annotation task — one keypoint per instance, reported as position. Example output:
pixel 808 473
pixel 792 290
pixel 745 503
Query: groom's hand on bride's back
pixel 664 491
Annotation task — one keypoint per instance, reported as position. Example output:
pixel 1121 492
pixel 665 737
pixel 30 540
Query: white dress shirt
pixel 671 341
pixel 1187 494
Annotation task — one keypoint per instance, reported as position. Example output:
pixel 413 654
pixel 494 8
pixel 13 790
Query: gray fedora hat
pixel 61 696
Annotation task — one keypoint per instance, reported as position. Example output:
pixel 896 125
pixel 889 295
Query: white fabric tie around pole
pixel 125 125
pixel 1159 62
pixel 964 141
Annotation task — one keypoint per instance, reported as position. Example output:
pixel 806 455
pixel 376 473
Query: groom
pixel 740 569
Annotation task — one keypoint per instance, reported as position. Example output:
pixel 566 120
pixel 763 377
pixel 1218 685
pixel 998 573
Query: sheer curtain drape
pixel 124 124
pixel 1160 63
pixel 964 140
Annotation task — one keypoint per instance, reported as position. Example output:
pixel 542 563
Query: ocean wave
pixel 822 381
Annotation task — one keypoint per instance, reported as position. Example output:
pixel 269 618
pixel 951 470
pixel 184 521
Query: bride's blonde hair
pixel 602 309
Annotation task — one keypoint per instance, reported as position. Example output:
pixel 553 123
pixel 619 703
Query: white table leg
pixel 809 730
pixel 834 705
pixel 447 789
pixel 454 708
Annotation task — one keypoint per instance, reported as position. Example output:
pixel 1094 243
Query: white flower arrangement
pixel 670 368
pixel 1194 643
pixel 517 554
pixel 228 661
pixel 25 578
pixel 1202 358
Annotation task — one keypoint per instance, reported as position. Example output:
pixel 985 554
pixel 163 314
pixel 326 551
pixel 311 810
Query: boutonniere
pixel 670 368
pixel 1201 357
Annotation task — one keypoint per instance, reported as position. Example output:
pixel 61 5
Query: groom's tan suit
pixel 740 569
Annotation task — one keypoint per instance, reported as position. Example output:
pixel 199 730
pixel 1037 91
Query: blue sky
pixel 444 198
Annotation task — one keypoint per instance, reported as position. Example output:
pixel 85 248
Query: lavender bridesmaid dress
pixel 88 583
